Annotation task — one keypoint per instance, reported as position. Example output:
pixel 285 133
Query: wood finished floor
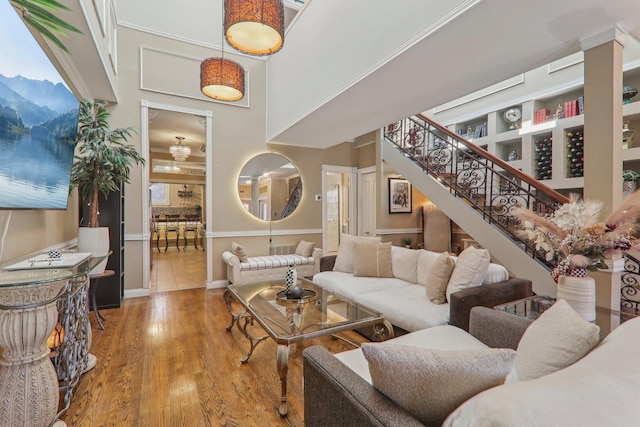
pixel 167 360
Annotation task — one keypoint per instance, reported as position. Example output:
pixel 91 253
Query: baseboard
pixel 217 284
pixel 135 293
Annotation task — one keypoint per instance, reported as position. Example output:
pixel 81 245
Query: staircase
pixel 292 201
pixel 475 189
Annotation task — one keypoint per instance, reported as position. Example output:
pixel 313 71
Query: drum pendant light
pixel 221 78
pixel 255 27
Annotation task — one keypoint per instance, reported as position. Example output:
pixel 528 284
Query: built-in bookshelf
pixel 551 147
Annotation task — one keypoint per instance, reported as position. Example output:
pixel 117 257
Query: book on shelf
pixel 540 116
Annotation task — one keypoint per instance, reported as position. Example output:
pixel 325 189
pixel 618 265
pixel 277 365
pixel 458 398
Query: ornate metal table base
pixel 248 320
pixel 282 360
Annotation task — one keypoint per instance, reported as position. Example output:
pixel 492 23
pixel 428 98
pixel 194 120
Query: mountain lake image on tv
pixel 38 123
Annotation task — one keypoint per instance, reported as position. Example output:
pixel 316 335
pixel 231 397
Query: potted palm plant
pixel 103 161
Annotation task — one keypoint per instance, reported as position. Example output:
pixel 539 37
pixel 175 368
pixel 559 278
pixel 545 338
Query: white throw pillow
pixel 239 251
pixel 429 383
pixel 471 266
pixel 305 249
pixel 426 259
pixel 344 259
pixel 404 263
pixel 555 340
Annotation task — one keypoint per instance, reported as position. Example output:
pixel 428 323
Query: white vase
pixel 580 293
pixel 95 241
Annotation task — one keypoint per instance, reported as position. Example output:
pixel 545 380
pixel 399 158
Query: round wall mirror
pixel 269 187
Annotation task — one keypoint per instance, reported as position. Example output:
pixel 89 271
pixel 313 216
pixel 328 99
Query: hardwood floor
pixel 168 360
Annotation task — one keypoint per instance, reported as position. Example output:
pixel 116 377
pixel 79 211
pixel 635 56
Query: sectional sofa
pixel 402 298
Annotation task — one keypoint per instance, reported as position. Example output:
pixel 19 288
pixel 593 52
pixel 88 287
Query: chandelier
pixel 179 151
pixel 255 27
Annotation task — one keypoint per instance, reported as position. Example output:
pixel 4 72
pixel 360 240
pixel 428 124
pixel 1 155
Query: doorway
pixel 338 205
pixel 178 205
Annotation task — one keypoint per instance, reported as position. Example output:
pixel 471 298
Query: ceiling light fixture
pixel 221 78
pixel 255 27
pixel 179 151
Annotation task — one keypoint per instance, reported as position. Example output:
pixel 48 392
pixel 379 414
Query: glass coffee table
pixel 288 321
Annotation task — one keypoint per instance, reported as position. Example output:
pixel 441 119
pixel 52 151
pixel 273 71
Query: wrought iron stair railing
pixel 292 201
pixel 488 184
pixel 630 286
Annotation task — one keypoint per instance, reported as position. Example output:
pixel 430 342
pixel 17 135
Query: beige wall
pixel 32 231
pixel 238 134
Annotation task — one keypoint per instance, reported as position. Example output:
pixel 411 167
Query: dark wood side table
pixel 93 285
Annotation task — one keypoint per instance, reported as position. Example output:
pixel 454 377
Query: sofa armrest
pixel 233 266
pixel 335 395
pixel 497 329
pixel 327 262
pixel 488 295
pixel 317 256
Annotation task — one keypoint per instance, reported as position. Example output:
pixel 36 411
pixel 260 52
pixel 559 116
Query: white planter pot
pixel 580 293
pixel 96 241
pixel 629 186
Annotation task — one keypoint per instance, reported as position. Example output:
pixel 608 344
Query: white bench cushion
pixel 274 261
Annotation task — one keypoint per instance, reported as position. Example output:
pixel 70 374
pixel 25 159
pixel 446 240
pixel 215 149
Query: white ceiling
pixel 490 42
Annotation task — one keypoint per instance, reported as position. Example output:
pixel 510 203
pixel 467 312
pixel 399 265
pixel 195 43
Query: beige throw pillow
pixel 555 340
pixel 239 251
pixel 372 259
pixel 438 278
pixel 305 249
pixel 471 266
pixel 430 383
pixel 344 259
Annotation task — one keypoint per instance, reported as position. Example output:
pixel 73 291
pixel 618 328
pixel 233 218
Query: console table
pixel 33 303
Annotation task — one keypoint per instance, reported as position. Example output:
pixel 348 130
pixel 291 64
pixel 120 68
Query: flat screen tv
pixel 38 121
pixel 35 163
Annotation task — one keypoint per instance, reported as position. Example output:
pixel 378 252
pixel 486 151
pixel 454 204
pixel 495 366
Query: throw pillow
pixel 555 340
pixel 344 259
pixel 372 259
pixel 239 251
pixel 305 249
pixel 404 263
pixel 425 262
pixel 438 278
pixel 430 383
pixel 471 266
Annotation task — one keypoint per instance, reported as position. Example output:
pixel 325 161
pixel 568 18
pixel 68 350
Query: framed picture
pixel 399 196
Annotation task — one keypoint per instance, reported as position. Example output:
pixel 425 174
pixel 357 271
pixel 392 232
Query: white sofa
pixel 402 299
pixel 269 267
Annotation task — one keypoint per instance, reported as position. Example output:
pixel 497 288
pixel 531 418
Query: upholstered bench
pixel 269 267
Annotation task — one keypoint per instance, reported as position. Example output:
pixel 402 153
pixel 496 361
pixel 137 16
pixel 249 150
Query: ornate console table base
pixel 28 380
